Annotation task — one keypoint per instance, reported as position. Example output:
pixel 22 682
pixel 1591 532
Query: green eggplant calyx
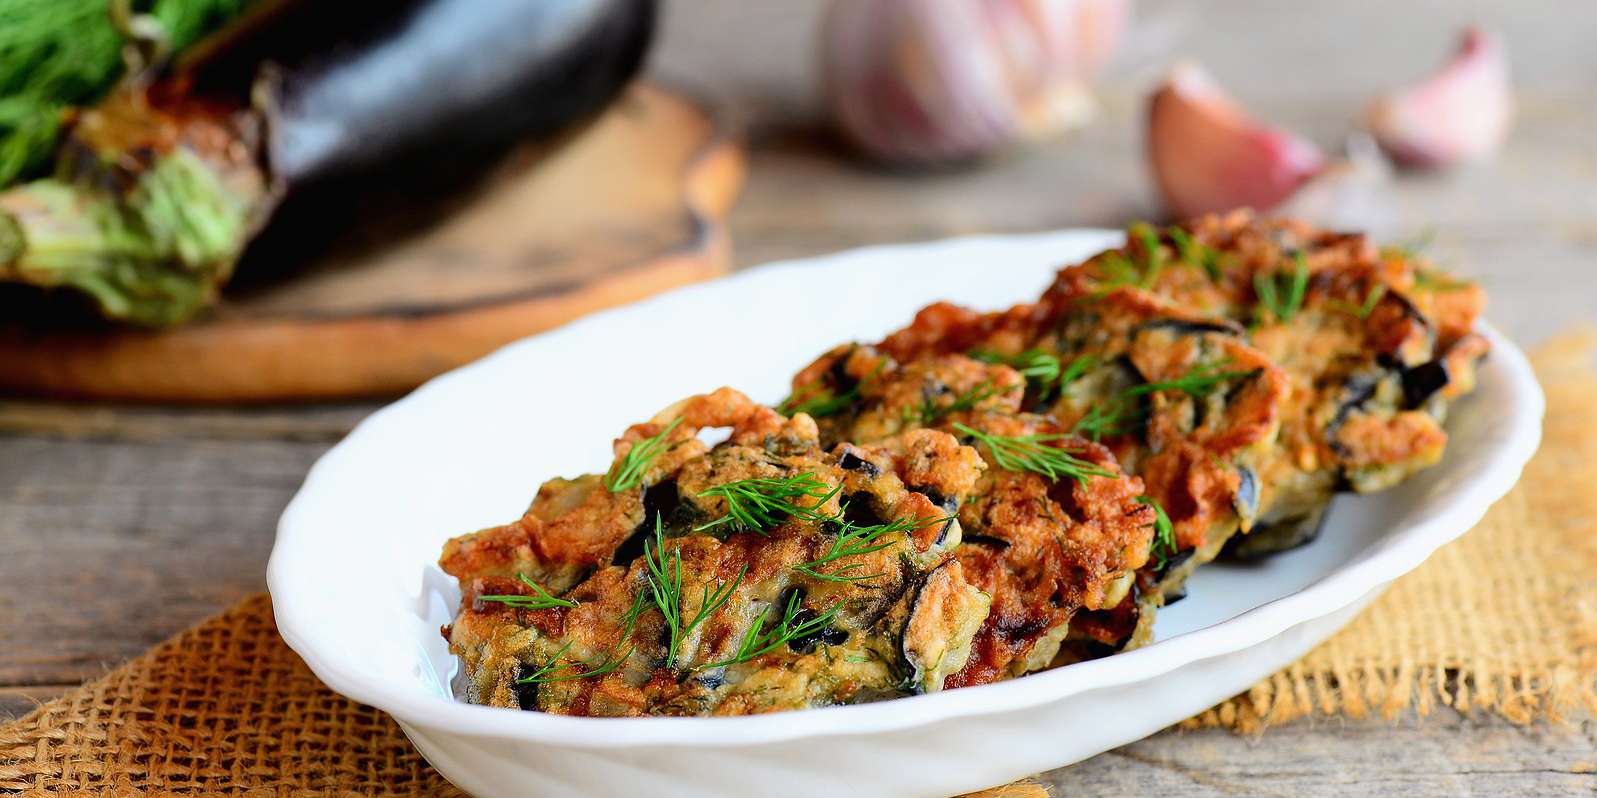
pixel 153 254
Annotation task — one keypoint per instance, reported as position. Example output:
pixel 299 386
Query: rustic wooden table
pixel 122 525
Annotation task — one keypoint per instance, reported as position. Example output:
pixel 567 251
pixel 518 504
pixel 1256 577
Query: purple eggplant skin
pixel 380 124
pixel 353 87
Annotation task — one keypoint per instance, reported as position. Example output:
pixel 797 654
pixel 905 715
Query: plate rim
pixel 1384 561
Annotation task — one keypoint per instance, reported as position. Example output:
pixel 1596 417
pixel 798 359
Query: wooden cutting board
pixel 634 204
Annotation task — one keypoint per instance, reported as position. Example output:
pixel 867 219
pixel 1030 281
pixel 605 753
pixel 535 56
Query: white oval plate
pixel 357 594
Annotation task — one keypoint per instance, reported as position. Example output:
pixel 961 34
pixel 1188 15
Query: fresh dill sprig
pixel 1363 309
pixel 610 662
pixel 1122 412
pixel 1033 364
pixel 853 541
pixel 759 640
pixel 1281 293
pixel 1116 416
pixel 1077 367
pixel 1118 271
pixel 1032 453
pixel 826 403
pixel 756 505
pixel 1436 280
pixel 665 588
pixel 1196 254
pixel 629 619
pixel 627 472
pixel 1153 252
pixel 541 601
pixel 1163 545
pixel 821 405
pixel 1046 375
pixel 930 411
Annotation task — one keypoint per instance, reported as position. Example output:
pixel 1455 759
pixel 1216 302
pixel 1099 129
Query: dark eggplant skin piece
pixel 354 86
pixel 324 105
pixel 1268 540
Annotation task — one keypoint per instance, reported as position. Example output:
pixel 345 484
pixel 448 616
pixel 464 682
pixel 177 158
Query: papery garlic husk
pixel 944 81
pixel 1462 113
pixel 1208 156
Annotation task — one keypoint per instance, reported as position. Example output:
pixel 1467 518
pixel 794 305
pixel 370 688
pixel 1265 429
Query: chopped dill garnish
pixel 756 505
pixel 1033 364
pixel 1122 412
pixel 610 662
pixel 1196 254
pixel 1154 252
pixel 824 402
pixel 640 603
pixel 853 541
pixel 1079 366
pixel 1363 309
pixel 1163 545
pixel 627 472
pixel 930 411
pixel 1434 280
pixel 1032 453
pixel 665 588
pixel 759 640
pixel 1043 372
pixel 541 601
pixel 1282 293
pixel 821 405
pixel 1119 269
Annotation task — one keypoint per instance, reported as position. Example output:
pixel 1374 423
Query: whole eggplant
pixel 159 188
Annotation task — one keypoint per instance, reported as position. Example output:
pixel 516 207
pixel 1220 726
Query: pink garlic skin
pixel 924 82
pixel 1460 114
pixel 1208 156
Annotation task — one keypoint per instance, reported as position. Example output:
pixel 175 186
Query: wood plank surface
pixel 121 525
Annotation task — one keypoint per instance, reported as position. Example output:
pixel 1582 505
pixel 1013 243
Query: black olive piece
pixel 1423 381
pixel 1179 593
pixel 1267 541
pixel 1246 501
pixel 853 462
pixel 526 692
pixel 986 540
pixel 1175 561
pixel 1188 327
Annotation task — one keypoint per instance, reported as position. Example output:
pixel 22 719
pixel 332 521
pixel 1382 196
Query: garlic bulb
pixel 943 81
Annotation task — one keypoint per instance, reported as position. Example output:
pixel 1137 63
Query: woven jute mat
pixel 1503 620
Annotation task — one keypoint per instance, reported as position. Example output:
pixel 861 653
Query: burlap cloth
pixel 1504 621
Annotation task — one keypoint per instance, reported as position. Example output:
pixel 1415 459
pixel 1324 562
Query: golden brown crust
pixel 891 618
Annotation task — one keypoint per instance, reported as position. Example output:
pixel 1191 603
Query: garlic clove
pixel 1208 156
pixel 1461 113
